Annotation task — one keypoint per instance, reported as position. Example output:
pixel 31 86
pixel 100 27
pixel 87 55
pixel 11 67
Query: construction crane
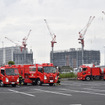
pixel 82 34
pixel 53 36
pixel 24 41
pixel 12 41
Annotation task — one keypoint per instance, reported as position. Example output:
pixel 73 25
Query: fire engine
pixel 91 73
pixel 38 74
pixel 9 76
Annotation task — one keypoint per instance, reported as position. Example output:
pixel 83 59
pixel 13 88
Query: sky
pixel 65 18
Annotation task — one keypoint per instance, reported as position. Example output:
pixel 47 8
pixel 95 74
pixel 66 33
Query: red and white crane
pixel 82 34
pixel 23 41
pixel 53 36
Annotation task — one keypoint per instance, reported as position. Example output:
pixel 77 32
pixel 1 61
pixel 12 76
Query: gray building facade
pixel 15 54
pixel 73 57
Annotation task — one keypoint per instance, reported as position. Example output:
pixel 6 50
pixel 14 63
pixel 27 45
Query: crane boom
pixel 12 41
pixel 48 28
pixel 84 30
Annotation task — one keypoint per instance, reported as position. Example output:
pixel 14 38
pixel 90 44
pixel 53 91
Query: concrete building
pixel 16 55
pixel 73 57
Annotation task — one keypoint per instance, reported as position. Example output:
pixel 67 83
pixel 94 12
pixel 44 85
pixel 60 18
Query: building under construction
pixel 15 54
pixel 73 57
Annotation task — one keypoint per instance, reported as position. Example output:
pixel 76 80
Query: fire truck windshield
pixel 11 71
pixel 49 69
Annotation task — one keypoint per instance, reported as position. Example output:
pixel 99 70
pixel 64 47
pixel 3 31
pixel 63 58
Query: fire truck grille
pixel 12 80
pixel 50 78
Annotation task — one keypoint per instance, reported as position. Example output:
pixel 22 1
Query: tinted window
pixel 84 69
pixel 2 72
pixel 40 69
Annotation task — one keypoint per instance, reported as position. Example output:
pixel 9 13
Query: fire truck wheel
pixel 39 82
pixel 1 83
pixel 87 78
pixel 51 84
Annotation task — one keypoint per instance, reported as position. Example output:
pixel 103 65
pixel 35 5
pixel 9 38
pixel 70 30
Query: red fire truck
pixel 91 73
pixel 9 76
pixel 38 74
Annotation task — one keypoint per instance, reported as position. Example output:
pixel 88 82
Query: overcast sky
pixel 65 18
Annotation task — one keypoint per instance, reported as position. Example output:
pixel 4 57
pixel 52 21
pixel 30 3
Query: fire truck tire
pixel 50 84
pixel 1 84
pixel 13 85
pixel 39 83
pixel 87 78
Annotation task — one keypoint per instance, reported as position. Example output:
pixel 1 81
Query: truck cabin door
pixel 3 72
pixel 40 72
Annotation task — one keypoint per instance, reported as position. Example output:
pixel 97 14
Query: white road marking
pixel 75 104
pixel 79 91
pixel 94 89
pixel 58 93
pixel 21 93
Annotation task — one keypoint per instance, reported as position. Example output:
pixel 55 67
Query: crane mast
pixel 53 36
pixel 82 34
pixel 24 41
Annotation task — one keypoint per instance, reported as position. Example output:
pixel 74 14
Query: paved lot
pixel 68 93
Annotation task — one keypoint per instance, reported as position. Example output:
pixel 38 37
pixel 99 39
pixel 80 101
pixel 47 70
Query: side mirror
pixel 42 71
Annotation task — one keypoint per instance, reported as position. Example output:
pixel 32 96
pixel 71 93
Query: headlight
pixel 45 77
pixel 18 80
pixel 56 77
pixel 7 80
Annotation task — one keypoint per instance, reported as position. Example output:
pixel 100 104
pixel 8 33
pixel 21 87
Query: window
pixel 2 71
pixel 84 69
pixel 32 68
pixel 40 69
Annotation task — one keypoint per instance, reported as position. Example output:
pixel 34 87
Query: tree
pixel 11 63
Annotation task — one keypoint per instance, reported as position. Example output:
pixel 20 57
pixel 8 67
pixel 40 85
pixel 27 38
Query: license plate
pixel 51 80
pixel 13 82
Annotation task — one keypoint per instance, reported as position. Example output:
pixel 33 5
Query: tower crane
pixel 24 41
pixel 53 36
pixel 82 34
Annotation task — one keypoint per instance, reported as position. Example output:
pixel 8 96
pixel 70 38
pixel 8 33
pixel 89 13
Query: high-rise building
pixel 15 54
pixel 73 57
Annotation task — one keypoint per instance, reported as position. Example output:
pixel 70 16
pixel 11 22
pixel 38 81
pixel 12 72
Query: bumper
pixel 11 83
pixel 50 81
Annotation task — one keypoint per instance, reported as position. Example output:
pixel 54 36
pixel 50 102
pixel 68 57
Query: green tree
pixel 11 63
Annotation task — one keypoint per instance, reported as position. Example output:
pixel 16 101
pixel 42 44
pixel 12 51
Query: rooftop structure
pixel 73 57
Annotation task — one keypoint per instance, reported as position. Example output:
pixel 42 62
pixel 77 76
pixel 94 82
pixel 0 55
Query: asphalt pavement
pixel 68 93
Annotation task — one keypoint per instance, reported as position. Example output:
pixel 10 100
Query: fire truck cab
pixel 9 76
pixel 46 74
pixel 39 74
